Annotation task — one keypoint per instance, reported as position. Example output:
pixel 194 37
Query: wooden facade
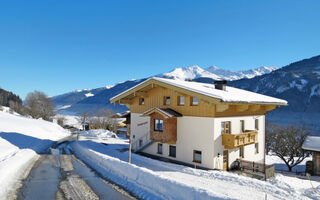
pixel 231 141
pixel 155 98
pixel 169 132
pixel 153 94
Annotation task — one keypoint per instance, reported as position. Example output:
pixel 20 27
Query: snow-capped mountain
pixel 213 72
pixel 189 73
pixel 236 75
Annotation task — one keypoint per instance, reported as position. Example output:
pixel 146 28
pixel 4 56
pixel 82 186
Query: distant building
pixel 312 144
pixel 208 125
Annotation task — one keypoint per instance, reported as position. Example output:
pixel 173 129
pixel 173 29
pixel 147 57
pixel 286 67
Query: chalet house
pixel 312 143
pixel 210 125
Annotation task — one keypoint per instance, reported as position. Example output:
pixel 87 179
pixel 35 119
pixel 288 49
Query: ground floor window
pixel 197 156
pixel 172 151
pixel 159 148
pixel 256 146
pixel 241 152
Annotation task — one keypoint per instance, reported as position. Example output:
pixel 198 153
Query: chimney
pixel 220 85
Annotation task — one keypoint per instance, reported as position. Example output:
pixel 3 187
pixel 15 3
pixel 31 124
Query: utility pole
pixel 130 144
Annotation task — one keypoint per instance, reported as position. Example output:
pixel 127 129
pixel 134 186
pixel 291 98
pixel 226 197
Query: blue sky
pixel 60 46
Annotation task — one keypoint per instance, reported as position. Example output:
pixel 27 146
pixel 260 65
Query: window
pixel 172 151
pixel 140 143
pixel 197 156
pixel 141 101
pixel 159 148
pixel 242 126
pixel 194 101
pixel 181 100
pixel 226 127
pixel 256 124
pixel 166 100
pixel 241 152
pixel 158 125
pixel 256 146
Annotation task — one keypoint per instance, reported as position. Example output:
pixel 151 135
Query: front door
pixel 225 160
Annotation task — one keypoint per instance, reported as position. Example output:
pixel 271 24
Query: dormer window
pixel 181 100
pixel 166 100
pixel 194 101
pixel 141 101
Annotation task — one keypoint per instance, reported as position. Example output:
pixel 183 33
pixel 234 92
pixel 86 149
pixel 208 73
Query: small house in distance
pixel 207 125
pixel 312 143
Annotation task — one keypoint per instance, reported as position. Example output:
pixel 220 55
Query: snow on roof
pixel 312 143
pixel 166 111
pixel 231 95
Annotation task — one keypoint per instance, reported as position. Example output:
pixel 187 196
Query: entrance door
pixel 225 160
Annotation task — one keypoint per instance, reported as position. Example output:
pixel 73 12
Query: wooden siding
pixel 169 133
pixel 155 98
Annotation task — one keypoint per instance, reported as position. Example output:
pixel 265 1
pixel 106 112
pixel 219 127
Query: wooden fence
pixel 255 167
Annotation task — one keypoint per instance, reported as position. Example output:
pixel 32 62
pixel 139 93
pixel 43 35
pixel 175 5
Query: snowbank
pixel 97 134
pixel 21 139
pixel 153 179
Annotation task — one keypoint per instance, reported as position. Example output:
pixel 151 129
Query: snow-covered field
pixel 21 139
pixel 153 179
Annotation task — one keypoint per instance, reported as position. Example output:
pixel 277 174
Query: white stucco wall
pixel 203 134
pixel 193 133
pixel 140 126
pixel 249 150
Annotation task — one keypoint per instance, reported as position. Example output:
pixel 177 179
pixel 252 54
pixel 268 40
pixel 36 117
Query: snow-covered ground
pixel 153 179
pixel 21 138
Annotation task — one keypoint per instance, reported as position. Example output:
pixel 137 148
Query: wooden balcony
pixel 231 141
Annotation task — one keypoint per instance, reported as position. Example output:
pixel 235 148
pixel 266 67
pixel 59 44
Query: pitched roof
pixel 230 95
pixel 165 111
pixel 312 143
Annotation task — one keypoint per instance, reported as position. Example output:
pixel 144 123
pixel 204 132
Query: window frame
pixel 165 100
pixel 194 153
pixel 256 124
pixel 224 129
pixel 191 101
pixel 256 146
pixel 158 150
pixel 241 152
pixel 141 101
pixel 179 100
pixel 175 151
pixel 155 128
pixel 242 126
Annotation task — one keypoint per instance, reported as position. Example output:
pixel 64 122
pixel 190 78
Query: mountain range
pixel 298 83
pixel 79 101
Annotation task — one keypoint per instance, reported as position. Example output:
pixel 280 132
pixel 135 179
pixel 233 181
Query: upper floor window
pixel 226 127
pixel 194 101
pixel 256 124
pixel 166 100
pixel 181 100
pixel 197 156
pixel 141 101
pixel 158 125
pixel 242 129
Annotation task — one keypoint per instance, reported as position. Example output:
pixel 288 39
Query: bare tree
pixel 286 143
pixel 39 105
pixel 103 120
pixel 60 120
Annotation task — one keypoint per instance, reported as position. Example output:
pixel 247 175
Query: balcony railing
pixel 231 141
